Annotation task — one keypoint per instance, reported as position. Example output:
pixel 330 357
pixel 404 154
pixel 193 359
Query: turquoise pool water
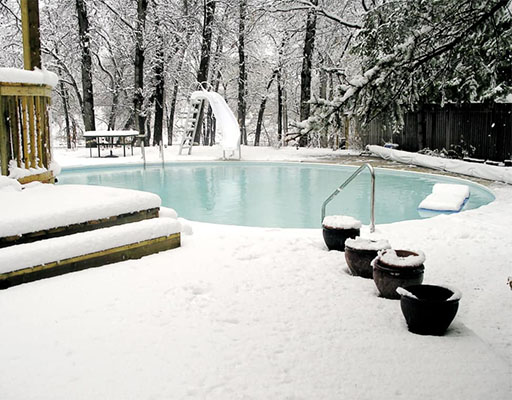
pixel 274 194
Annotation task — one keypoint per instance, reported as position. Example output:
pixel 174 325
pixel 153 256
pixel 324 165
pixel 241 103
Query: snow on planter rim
pixel 456 293
pixel 360 243
pixel 390 257
pixel 341 222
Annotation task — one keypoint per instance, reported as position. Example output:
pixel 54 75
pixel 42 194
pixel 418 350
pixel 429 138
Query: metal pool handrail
pixel 344 184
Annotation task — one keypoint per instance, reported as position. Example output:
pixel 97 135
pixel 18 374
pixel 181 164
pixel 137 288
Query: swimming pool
pixel 286 195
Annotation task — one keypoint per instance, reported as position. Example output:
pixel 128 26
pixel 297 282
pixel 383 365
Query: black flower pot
pixel 359 254
pixel 430 310
pixel 335 237
pixel 359 261
pixel 388 277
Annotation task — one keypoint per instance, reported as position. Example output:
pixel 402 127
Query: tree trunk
pixel 279 107
pixel 138 97
pixel 181 52
pixel 87 88
pixel 242 74
pixel 261 111
pixel 202 74
pixel 305 76
pixel 64 93
pixel 158 71
pixel 113 109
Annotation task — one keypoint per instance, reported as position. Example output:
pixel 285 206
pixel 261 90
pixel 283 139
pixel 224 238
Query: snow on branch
pixel 308 5
pixel 423 44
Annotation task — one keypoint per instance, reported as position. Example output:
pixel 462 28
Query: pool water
pixel 275 194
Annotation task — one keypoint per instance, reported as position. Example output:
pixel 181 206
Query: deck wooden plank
pixel 80 227
pixel 92 260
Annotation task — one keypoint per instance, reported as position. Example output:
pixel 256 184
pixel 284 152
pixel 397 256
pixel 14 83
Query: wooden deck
pixel 33 247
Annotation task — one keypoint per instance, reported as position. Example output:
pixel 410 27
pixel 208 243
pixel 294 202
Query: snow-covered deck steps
pixel 47 211
pixel 46 258
pixel 86 226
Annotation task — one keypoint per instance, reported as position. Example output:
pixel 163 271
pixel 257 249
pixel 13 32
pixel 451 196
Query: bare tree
pixel 138 97
pixel 242 74
pixel 307 61
pixel 86 66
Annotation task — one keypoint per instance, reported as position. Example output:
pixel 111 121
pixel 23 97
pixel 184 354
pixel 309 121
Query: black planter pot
pixel 359 261
pixel 335 237
pixel 389 277
pixel 432 311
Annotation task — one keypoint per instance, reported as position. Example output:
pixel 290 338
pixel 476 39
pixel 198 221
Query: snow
pixel 9 184
pixel 16 172
pixel 390 257
pixel 110 133
pixel 442 202
pixel 451 189
pixel 446 197
pixel 62 205
pixel 456 293
pixel 341 222
pixel 490 172
pixel 27 255
pixel 403 292
pixel 36 77
pixel 360 243
pixel 264 314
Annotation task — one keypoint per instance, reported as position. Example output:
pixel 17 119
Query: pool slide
pixel 227 125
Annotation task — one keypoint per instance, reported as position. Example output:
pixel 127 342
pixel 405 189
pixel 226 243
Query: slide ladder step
pixel 190 127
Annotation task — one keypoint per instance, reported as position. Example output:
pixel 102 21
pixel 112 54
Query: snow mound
pixel 446 197
pixel 341 222
pixel 390 257
pixel 490 172
pixel 36 77
pixel 63 205
pixel 403 292
pixel 9 184
pixel 360 243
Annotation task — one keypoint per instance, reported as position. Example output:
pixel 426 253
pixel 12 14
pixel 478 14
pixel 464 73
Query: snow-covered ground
pixel 255 313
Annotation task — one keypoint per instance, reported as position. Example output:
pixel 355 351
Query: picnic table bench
pixel 109 136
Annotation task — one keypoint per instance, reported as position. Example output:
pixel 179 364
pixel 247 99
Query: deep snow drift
pixel 265 314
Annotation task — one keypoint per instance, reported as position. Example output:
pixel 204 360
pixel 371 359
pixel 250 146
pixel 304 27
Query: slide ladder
pixel 195 108
pixel 226 124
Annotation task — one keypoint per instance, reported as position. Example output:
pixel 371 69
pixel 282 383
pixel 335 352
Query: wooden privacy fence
pixel 485 127
pixel 24 127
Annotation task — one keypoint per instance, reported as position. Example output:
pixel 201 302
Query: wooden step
pixel 61 210
pixel 56 256
pixel 80 227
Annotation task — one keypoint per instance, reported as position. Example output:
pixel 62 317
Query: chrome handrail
pixel 161 146
pixel 344 184
pixel 143 152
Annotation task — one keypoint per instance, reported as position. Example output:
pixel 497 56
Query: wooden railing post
pixel 24 128
pixel 31 36
pixel 4 159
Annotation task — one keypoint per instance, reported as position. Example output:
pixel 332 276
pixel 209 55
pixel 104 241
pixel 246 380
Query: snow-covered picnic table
pixel 109 136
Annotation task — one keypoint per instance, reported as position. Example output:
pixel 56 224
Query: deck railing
pixel 24 128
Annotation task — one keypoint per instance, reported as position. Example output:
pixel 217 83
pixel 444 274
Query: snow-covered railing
pixel 24 123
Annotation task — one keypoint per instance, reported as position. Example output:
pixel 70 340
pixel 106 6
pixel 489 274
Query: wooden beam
pixel 24 89
pixel 31 36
